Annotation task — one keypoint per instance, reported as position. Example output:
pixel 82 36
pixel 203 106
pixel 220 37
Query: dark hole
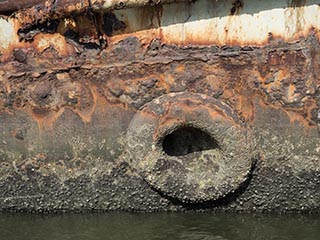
pixel 111 23
pixel 233 10
pixel 49 26
pixel 44 96
pixel 187 140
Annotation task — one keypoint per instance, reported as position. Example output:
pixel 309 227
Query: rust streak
pixel 45 118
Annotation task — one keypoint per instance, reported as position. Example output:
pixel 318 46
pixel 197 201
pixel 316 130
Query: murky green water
pixel 138 226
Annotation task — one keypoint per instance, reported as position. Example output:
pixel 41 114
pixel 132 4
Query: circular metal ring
pixel 190 147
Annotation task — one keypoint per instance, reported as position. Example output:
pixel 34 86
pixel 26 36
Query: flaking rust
pixel 93 93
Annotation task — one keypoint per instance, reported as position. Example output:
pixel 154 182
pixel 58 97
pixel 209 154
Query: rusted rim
pixel 190 147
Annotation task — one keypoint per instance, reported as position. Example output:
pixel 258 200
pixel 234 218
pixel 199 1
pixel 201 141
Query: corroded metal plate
pixel 190 147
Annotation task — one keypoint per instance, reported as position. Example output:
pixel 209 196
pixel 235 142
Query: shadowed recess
pixel 187 140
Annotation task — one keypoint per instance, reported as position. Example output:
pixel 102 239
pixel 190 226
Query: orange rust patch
pixel 45 118
pixel 147 114
pixel 57 41
pixel 216 115
pixel 166 80
pixel 246 107
pixel 295 117
pixel 180 68
pixel 291 92
pixel 164 123
pixel 86 114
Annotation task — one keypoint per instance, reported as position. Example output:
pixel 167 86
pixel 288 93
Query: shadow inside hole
pixel 187 140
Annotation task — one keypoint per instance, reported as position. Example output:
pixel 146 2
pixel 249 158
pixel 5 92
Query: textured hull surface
pixel 97 101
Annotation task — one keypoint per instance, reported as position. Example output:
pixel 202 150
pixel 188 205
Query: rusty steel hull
pixel 94 101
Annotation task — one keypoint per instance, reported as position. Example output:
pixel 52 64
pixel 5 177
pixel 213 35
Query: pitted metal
pixel 195 176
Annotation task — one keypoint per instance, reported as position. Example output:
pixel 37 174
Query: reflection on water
pixel 138 226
